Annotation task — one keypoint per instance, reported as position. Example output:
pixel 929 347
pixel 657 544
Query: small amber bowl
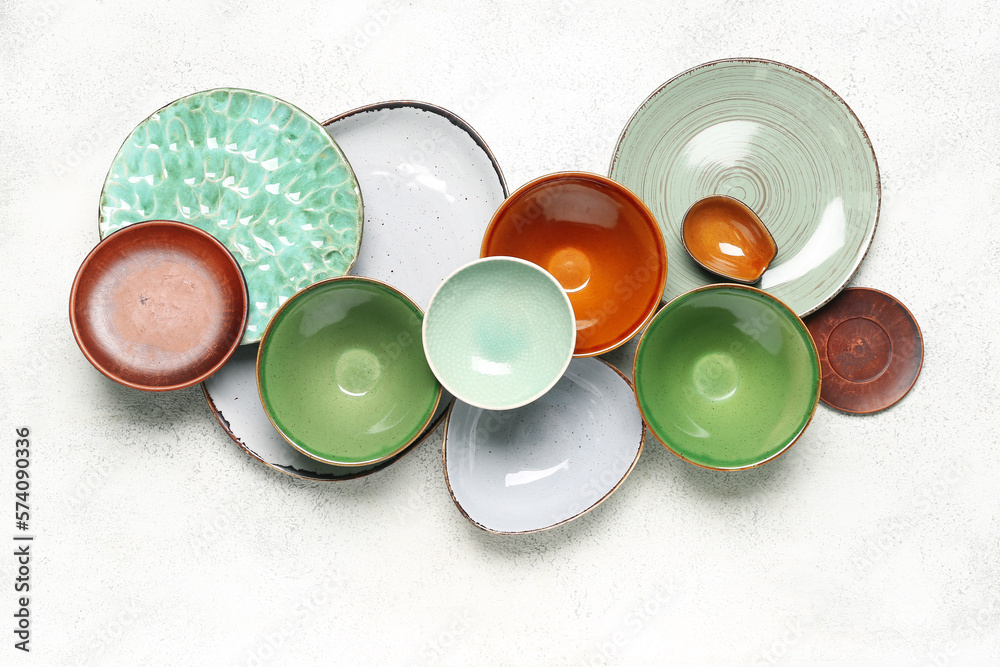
pixel 601 243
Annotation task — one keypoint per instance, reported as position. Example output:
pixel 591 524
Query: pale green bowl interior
pixel 727 377
pixel 499 333
pixel 342 373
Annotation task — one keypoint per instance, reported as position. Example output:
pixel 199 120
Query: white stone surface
pixel 876 539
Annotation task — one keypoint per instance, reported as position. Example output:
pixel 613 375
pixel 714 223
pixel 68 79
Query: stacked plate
pixel 332 335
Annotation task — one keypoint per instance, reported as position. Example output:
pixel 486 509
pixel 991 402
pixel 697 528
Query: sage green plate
pixel 258 174
pixel 727 377
pixel 342 375
pixel 776 139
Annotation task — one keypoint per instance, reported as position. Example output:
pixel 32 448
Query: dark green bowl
pixel 342 374
pixel 727 377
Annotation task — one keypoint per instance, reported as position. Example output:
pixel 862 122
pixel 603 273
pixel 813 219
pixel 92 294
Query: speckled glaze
pixel 232 396
pixel 871 350
pixel 431 185
pixel 541 465
pixel 255 172
pixel 342 375
pixel 599 241
pixel 776 139
pixel 499 332
pixel 727 377
pixel 158 306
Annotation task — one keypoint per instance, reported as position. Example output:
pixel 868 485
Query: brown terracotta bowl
pixel 158 305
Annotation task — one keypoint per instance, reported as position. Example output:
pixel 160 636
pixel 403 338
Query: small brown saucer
pixel 870 349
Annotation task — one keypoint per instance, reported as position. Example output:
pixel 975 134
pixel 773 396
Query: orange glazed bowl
pixel 600 242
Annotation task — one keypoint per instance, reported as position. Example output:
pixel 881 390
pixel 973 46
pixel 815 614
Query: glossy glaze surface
pixel 546 463
pixel 255 172
pixel 158 306
pixel 342 374
pixel 774 138
pixel 599 241
pixel 871 349
pixel 727 377
pixel 726 237
pixel 499 332
pixel 431 185
pixel 232 396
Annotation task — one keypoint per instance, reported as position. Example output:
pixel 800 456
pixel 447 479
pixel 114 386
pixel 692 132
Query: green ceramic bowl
pixel 499 333
pixel 342 374
pixel 727 377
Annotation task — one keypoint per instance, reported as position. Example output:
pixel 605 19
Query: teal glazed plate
pixel 255 172
pixel 776 139
pixel 727 377
pixel 342 375
pixel 499 333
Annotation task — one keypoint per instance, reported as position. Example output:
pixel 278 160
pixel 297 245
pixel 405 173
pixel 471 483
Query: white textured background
pixel 876 539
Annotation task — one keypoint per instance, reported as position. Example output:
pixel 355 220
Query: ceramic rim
pixel 294 472
pixel 808 335
pixel 455 119
pixel 569 358
pixel 139 226
pixel 614 185
pixel 260 353
pixel 916 374
pixel 444 464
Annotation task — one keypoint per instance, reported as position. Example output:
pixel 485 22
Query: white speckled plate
pixel 255 172
pixel 431 186
pixel 541 465
pixel 232 395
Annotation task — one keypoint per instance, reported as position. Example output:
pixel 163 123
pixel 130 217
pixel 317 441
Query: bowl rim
pixel 729 278
pixel 447 479
pixel 816 364
pixel 139 228
pixel 606 181
pixel 260 355
pixel 500 258
pixel 795 70
pixel 294 472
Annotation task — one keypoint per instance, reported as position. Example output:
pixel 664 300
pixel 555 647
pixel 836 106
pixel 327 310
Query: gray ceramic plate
pixel 548 462
pixel 778 140
pixel 232 395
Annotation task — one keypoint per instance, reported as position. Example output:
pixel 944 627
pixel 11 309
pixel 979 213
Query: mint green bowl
pixel 499 332
pixel 342 375
pixel 727 377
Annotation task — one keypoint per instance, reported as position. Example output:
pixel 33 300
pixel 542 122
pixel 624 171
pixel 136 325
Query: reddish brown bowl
pixel 158 305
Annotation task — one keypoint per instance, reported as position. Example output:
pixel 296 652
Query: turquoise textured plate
pixel 776 139
pixel 258 174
